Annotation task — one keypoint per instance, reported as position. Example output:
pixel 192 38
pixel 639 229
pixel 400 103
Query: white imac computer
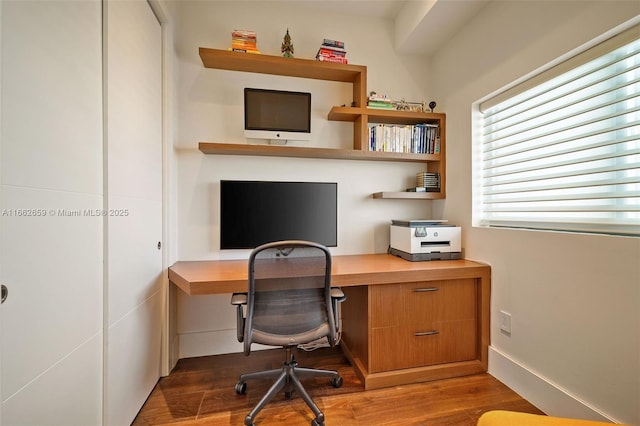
pixel 277 115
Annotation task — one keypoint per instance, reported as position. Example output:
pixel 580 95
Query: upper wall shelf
pixel 276 65
pixel 357 113
pixel 290 67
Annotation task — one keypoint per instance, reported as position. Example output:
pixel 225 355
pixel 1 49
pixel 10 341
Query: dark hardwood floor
pixel 200 391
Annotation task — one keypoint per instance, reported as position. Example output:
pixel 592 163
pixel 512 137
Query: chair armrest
pixel 338 295
pixel 239 299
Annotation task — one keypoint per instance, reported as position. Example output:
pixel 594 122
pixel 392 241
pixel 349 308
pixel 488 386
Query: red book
pixel 331 52
pixel 337 59
pixel 244 34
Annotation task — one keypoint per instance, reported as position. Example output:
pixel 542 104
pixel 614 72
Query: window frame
pixel 600 46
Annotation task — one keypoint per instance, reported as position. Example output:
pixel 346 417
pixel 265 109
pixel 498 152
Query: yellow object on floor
pixel 512 418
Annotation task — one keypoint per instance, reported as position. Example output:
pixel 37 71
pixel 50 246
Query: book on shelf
pixel 373 96
pixel 424 189
pixel 333 48
pixel 243 44
pixel 422 138
pixel 328 51
pixel 333 43
pixel 244 35
pixel 380 105
pixel 332 51
pixel 243 49
pixel 379 101
pixel 254 51
pixel 426 182
pixel 336 59
pixel 244 41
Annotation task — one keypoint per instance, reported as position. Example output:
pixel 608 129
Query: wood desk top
pixel 228 276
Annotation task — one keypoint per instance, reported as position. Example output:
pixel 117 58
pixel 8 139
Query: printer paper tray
pixel 418 257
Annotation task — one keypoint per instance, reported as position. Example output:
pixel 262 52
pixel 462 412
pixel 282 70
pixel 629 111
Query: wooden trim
pixel 422 374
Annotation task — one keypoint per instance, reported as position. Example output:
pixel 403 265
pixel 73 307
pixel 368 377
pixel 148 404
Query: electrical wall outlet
pixel 505 322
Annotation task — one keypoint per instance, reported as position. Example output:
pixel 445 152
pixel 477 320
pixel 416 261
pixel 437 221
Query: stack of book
pixel 423 138
pixel 426 182
pixel 379 101
pixel 244 41
pixel 332 51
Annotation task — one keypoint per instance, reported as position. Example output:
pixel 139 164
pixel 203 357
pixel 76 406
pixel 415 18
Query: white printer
pixel 417 240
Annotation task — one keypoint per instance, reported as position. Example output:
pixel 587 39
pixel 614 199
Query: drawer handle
pixel 421 290
pixel 426 333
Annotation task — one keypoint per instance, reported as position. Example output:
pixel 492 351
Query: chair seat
pixel 265 338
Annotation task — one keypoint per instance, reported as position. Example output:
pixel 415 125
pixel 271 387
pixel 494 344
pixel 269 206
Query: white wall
pixel 210 109
pixel 574 299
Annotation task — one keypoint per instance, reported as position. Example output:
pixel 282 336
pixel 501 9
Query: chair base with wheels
pixel 288 378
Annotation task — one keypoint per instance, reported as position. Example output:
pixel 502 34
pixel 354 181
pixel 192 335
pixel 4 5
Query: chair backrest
pixel 289 297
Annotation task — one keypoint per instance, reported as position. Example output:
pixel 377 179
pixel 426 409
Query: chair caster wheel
pixel 318 421
pixel 241 388
pixel 336 382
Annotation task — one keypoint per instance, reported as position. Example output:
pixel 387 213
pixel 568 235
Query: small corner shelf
pixel 358 114
pixel 384 116
pixel 405 195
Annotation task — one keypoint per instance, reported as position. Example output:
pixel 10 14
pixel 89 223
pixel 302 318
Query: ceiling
pixel 420 25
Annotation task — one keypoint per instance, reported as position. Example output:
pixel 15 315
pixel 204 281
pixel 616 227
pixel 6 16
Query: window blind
pixel 562 151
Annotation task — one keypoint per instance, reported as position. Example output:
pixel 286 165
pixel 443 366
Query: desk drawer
pixel 421 324
pixel 394 348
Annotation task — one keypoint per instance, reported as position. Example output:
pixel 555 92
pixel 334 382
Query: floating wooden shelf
pixel 302 152
pixel 277 65
pixel 384 116
pixel 358 114
pixel 404 195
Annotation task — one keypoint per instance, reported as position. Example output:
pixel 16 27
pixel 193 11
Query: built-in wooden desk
pixel 403 322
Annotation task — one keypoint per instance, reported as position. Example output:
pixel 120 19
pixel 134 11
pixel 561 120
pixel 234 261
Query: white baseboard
pixel 538 390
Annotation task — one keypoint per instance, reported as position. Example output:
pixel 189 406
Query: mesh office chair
pixel 290 302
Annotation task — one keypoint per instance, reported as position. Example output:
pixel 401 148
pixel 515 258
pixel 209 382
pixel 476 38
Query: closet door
pixel 133 63
pixel 51 249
